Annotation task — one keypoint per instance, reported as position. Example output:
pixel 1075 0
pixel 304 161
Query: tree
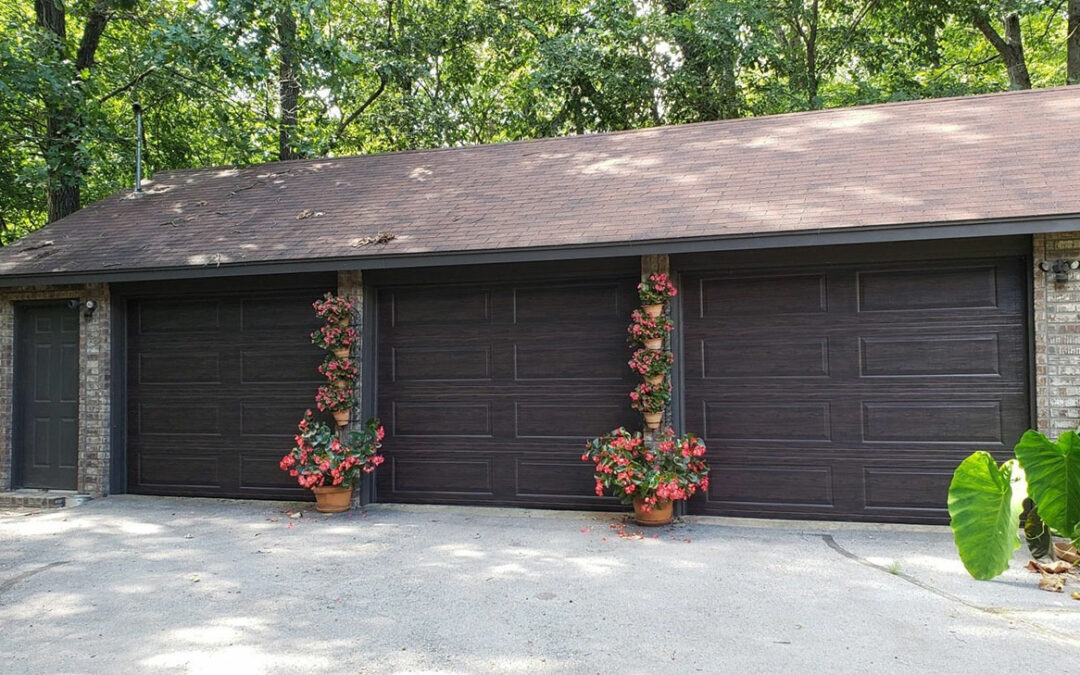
pixel 1073 43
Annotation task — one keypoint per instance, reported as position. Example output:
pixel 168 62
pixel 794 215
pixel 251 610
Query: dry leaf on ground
pixel 1055 567
pixel 1055 583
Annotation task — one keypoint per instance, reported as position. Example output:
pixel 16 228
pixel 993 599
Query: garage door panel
pixel 542 360
pixel 441 419
pixel 933 355
pixel 455 305
pixel 774 295
pixel 905 369
pixel 178 317
pixel 569 303
pixel 440 364
pixel 765 357
pixel 567 420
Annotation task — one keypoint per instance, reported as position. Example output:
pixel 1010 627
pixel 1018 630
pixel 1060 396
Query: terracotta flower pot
pixel 332 499
pixel 341 384
pixel 658 515
pixel 342 353
pixel 652 420
pixel 654 344
pixel 653 310
pixel 341 417
pixel 654 379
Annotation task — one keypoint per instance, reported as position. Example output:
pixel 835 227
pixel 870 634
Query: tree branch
pixel 95 26
pixel 346 121
pixel 121 89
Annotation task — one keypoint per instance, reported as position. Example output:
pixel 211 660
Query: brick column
pixel 95 349
pixel 1056 317
pixel 351 283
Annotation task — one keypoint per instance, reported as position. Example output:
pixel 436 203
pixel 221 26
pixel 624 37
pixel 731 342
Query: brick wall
pixel 94 387
pixel 1056 309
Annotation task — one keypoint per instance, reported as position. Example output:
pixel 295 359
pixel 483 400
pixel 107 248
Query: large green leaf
pixel 984 505
pixel 1053 474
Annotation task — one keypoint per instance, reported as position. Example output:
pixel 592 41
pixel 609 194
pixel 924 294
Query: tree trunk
pixel 1010 47
pixel 288 85
pixel 62 170
pixel 725 103
pixel 1072 74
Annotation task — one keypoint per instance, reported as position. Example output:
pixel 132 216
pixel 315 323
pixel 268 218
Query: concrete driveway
pixel 139 584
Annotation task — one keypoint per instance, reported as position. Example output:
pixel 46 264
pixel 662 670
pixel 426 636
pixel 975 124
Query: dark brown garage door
pixel 216 384
pixel 488 391
pixel 852 391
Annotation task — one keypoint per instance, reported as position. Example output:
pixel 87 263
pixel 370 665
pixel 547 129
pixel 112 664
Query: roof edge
pixel 818 237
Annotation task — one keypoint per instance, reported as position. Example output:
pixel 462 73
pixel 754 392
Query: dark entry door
pixel 46 396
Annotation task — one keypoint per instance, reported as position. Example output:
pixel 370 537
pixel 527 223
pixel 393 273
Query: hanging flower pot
pixel 653 310
pixel 341 417
pixel 654 344
pixel 652 420
pixel 660 514
pixel 342 352
pixel 654 379
pixel 332 499
pixel 341 384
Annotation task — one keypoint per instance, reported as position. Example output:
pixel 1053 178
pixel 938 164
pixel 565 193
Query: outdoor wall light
pixel 1060 268
pixel 88 306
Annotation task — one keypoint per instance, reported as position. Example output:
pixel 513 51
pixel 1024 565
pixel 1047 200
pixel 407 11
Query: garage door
pixel 488 391
pixel 216 384
pixel 852 391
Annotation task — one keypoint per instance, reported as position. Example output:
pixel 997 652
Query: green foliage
pixel 378 75
pixel 1053 470
pixel 984 506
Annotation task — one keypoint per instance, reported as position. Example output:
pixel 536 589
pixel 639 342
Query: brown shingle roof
pixel 1001 156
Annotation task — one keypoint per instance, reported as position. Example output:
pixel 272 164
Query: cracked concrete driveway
pixel 140 584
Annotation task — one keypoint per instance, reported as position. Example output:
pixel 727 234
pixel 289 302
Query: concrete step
pixel 40 499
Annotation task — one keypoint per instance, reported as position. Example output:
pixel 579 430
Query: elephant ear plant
pixel 986 500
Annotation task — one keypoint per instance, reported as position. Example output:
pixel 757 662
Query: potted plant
pixel 651 400
pixel 335 309
pixel 329 465
pixel 340 372
pixel 655 292
pixel 650 475
pixel 649 330
pixel 336 338
pixel 338 401
pixel 652 365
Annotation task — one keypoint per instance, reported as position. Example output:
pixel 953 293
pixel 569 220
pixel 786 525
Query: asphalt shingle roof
pixel 998 156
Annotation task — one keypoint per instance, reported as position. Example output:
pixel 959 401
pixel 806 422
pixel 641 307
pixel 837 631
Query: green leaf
pixel 1037 533
pixel 985 512
pixel 1053 471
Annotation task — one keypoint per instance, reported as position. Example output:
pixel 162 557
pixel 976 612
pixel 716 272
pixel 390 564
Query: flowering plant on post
pixel 324 461
pixel 655 292
pixel 323 458
pixel 648 330
pixel 651 364
pixel 648 474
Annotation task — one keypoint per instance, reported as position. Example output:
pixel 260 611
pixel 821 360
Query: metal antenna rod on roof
pixel 138 148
